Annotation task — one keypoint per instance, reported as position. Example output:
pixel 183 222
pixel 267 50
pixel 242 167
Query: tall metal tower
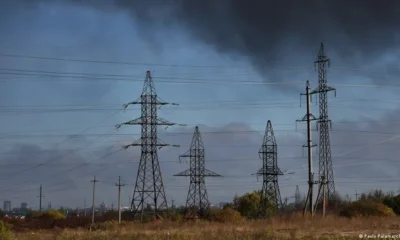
pixel 325 158
pixel 197 204
pixel 297 197
pixel 270 194
pixel 149 195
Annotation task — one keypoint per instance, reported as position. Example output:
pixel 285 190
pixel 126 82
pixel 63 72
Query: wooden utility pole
pixel 119 185
pixel 94 181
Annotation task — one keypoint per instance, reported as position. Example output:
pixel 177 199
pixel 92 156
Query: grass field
pixel 293 227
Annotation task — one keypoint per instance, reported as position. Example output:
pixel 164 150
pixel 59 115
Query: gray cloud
pixel 233 155
pixel 277 37
pixel 265 32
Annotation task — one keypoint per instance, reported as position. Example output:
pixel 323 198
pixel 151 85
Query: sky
pixel 66 68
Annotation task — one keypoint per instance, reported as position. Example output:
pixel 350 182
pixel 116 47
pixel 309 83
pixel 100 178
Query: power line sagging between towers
pixel 149 195
pixel 197 203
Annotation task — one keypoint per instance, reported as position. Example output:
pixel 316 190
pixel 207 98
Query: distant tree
pixel 376 195
pixel 63 211
pixel 366 208
pixel 393 202
pixel 32 214
pixel 249 204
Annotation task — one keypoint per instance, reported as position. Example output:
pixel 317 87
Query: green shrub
pixel 48 215
pixel 5 231
pixel 33 214
pixel 367 208
pixel 52 215
pixel 228 215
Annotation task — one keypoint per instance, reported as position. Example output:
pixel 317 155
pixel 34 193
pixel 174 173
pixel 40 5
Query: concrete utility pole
pixel 356 196
pixel 119 185
pixel 94 181
pixel 40 198
pixel 173 205
pixel 324 196
pixel 322 190
pixel 308 118
pixel 84 206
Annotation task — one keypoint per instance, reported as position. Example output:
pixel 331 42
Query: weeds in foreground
pixel 288 227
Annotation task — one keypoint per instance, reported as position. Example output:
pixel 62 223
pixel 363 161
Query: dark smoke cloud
pixel 272 33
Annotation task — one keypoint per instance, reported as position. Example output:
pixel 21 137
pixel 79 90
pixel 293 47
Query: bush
pixel 393 202
pixel 367 208
pixel 48 215
pixel 52 215
pixel 228 215
pixel 33 214
pixel 5 231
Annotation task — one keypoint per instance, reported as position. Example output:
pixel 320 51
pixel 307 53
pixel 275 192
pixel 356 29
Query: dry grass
pixel 293 227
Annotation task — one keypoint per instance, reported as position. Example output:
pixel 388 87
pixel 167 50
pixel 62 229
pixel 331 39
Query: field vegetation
pixel 374 213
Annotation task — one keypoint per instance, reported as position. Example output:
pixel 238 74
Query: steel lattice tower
pixel 149 195
pixel 270 194
pixel 197 204
pixel 325 157
pixel 297 197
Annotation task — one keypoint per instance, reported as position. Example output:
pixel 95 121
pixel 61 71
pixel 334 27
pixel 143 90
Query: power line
pixel 346 131
pixel 56 76
pixel 103 62
pixel 52 159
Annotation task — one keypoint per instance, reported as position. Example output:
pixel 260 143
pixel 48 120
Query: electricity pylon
pixel 325 157
pixel 297 197
pixel 197 204
pixel 149 195
pixel 270 194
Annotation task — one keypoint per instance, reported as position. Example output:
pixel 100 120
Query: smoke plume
pixel 269 32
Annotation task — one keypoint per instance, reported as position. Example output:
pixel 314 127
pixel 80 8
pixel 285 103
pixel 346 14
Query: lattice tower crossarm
pixel 270 193
pixel 149 194
pixel 197 203
pixel 325 156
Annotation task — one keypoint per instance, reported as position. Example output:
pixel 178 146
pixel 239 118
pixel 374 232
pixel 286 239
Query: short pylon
pixel 270 195
pixel 297 197
pixel 197 204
